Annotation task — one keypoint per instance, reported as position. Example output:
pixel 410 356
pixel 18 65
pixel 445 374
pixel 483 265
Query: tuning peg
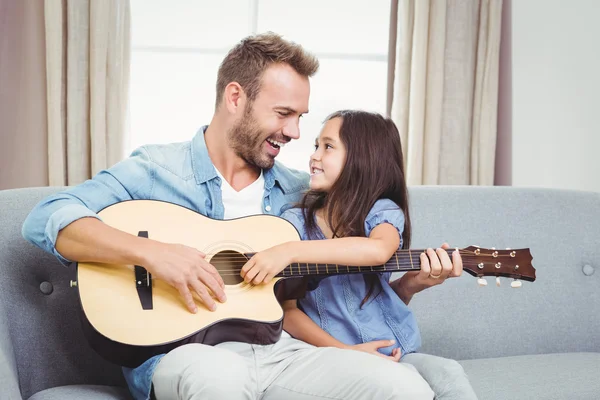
pixel 498 281
pixel 493 248
pixel 508 248
pixel 481 282
pixel 516 284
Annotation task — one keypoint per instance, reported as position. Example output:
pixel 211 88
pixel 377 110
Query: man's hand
pixel 264 265
pixel 371 348
pixel 185 269
pixel 436 267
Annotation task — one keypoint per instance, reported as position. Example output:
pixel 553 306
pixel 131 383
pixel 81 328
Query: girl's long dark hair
pixel 374 169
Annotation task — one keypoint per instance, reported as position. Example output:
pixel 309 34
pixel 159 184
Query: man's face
pixel 272 120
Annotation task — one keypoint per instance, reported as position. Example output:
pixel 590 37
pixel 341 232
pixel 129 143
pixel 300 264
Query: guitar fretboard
pixel 402 260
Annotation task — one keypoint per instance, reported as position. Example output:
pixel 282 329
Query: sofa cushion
pixel 42 310
pixel 87 392
pixel 566 376
pixel 9 378
pixel 463 321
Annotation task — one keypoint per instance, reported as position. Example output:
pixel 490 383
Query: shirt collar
pixel 204 170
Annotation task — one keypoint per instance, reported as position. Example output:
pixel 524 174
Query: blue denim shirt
pixel 180 173
pixel 335 304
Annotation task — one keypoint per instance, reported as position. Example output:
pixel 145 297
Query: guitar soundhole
pixel 229 264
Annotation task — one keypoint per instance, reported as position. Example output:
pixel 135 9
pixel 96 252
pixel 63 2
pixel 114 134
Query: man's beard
pixel 246 140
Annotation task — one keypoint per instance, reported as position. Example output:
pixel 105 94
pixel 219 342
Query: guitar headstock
pixel 509 263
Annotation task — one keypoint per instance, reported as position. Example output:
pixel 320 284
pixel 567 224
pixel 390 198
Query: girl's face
pixel 328 160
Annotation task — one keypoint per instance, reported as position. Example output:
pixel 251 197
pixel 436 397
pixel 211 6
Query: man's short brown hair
pixel 248 60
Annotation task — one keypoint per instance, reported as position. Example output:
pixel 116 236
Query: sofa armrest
pixel 9 378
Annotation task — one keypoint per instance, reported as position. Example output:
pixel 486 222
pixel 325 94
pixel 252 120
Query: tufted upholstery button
pixel 46 287
pixel 588 270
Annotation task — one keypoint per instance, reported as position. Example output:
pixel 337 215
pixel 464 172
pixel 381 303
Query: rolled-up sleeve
pixel 132 178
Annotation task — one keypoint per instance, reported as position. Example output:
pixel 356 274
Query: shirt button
pixel 268 208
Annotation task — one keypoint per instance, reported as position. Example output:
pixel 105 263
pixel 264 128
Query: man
pixel 226 171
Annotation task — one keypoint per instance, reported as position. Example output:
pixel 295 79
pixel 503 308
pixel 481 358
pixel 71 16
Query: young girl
pixel 358 198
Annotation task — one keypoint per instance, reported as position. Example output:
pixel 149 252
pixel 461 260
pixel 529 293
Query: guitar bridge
pixel 143 282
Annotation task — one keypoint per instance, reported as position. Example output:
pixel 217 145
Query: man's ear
pixel 234 97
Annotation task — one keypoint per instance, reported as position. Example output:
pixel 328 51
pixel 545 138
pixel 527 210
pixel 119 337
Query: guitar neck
pixel 402 260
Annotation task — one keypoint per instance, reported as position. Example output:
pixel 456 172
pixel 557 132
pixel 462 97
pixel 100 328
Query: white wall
pixel 556 94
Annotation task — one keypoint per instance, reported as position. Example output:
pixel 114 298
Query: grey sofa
pixel 541 341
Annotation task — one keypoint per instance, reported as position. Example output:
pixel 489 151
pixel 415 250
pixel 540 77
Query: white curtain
pixel 445 91
pixel 87 72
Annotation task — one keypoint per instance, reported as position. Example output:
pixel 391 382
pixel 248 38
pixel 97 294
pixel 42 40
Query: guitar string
pixel 241 261
pixel 241 257
pixel 334 265
pixel 489 273
pixel 400 254
pixel 314 271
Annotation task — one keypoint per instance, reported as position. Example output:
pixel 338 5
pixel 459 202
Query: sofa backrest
pixel 42 309
pixel 559 312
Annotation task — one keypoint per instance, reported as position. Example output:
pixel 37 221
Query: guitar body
pixel 122 331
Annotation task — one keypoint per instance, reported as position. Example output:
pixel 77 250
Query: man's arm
pixel 436 267
pixel 66 225
pixel 128 178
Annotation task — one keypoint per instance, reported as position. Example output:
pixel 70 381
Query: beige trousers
pixel 287 370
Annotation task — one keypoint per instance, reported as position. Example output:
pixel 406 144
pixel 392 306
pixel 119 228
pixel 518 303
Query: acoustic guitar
pixel 129 317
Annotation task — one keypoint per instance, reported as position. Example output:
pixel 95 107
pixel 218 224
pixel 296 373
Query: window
pixel 177 46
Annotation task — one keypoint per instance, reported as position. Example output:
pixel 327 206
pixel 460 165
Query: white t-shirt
pixel 247 201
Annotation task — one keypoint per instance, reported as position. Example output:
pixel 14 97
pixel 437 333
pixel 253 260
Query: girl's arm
pixel 300 326
pixel 377 249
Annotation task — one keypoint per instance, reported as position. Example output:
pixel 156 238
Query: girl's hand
pixel 264 265
pixel 371 348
